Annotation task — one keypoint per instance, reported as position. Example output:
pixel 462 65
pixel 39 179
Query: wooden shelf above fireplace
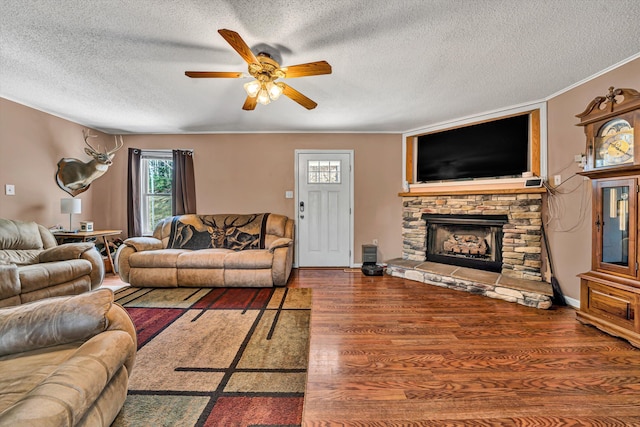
pixel 448 191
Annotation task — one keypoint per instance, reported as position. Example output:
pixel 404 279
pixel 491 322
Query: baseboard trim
pixel 575 303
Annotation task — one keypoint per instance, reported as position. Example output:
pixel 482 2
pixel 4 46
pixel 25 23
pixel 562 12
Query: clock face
pixel 614 144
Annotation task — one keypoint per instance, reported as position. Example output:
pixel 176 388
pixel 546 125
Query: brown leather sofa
pixel 254 250
pixel 33 266
pixel 65 361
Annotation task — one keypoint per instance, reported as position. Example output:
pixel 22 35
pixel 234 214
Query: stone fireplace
pixel 500 231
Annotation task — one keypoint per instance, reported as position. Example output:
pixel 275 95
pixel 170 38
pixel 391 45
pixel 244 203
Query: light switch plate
pixel 288 194
pixel 10 189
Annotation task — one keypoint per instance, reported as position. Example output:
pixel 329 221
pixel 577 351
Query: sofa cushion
pixel 163 258
pixel 249 259
pixel 39 276
pixel 58 386
pixel 19 235
pixel 277 225
pixel 74 287
pixel 21 374
pixel 9 282
pixel 19 256
pixel 203 258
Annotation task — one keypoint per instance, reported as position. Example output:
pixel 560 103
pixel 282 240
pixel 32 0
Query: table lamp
pixel 70 206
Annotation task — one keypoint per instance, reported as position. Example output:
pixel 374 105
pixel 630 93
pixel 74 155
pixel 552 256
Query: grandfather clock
pixel 610 292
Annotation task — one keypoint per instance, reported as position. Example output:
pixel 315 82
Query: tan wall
pixel 234 173
pixel 247 173
pixel 31 144
pixel 570 235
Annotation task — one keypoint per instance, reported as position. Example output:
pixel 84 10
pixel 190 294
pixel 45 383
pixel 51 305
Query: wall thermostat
pixel 533 182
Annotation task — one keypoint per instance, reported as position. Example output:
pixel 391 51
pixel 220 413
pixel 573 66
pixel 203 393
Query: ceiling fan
pixel 265 70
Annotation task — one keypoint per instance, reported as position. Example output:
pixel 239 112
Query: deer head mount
pixel 75 176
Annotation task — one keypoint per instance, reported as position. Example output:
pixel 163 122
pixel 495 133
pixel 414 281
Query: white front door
pixel 324 204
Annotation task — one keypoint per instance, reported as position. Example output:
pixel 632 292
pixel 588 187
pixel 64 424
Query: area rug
pixel 217 357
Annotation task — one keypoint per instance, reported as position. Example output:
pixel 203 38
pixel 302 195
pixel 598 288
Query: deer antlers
pixel 119 142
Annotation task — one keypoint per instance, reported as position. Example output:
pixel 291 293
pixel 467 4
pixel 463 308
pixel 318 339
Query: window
pixel 323 172
pixel 156 169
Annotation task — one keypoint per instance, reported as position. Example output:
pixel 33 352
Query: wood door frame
pixel 297 152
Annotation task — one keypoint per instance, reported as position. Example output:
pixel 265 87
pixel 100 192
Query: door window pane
pixel 323 172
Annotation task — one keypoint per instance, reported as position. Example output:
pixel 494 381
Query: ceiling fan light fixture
pixel 252 88
pixel 274 90
pixel 263 97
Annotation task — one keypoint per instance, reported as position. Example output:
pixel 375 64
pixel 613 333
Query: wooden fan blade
pixel 310 69
pixel 213 74
pixel 250 103
pixel 298 97
pixel 239 45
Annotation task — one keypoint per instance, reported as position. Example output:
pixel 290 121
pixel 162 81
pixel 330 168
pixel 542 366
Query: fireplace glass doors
pixel 473 241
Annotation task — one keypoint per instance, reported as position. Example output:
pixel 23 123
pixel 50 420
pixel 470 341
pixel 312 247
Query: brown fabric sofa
pixel 254 250
pixel 33 266
pixel 65 361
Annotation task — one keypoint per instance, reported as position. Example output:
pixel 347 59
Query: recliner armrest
pixel 282 242
pixel 79 250
pixel 54 321
pixel 144 243
pixel 65 252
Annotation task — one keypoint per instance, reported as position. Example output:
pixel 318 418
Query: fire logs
pixel 465 244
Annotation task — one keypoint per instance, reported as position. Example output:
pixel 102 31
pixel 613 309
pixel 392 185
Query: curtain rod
pixel 167 151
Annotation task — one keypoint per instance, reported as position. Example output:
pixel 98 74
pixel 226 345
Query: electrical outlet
pixel 557 180
pixel 10 190
pixel 375 242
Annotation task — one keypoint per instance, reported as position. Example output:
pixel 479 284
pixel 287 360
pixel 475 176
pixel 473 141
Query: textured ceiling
pixel 118 65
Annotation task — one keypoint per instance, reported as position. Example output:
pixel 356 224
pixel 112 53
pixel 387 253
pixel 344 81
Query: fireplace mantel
pixel 423 192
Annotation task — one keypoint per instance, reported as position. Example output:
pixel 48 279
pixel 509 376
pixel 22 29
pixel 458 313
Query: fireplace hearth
pixel 473 241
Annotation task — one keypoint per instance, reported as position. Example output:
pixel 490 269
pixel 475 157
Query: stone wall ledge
pixel 530 293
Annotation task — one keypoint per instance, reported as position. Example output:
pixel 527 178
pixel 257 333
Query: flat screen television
pixel 495 149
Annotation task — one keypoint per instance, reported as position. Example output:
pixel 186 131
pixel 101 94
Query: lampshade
pixel 263 97
pixel 252 88
pixel 274 90
pixel 70 206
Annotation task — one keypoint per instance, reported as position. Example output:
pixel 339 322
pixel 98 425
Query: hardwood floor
pixel 392 352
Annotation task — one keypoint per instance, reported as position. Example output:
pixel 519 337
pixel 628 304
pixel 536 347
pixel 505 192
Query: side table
pixel 83 236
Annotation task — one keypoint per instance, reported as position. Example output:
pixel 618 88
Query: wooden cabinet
pixel 610 292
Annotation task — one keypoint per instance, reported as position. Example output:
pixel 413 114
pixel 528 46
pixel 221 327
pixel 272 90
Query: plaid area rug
pixel 217 357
